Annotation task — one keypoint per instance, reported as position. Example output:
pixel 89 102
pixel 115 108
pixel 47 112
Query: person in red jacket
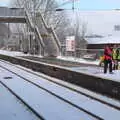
pixel 108 59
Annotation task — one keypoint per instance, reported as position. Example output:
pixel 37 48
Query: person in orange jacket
pixel 108 59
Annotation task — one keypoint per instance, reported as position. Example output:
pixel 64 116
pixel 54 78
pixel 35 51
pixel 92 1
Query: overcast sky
pixel 4 2
pixel 83 4
pixel 92 4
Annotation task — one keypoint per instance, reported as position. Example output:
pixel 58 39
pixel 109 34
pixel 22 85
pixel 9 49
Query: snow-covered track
pixel 28 74
pixel 12 108
pixel 63 85
pixel 25 103
pixel 80 109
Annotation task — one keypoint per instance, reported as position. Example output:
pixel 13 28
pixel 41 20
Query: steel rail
pixel 25 103
pixel 59 97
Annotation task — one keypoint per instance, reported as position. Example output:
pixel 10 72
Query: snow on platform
pixel 15 53
pixel 92 70
pixel 96 71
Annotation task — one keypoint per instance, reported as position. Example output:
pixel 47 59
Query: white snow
pixel 100 22
pixel 11 108
pixel 37 99
pixel 14 53
pixel 44 103
pixel 95 71
pixel 78 88
pixel 104 40
pixel 79 60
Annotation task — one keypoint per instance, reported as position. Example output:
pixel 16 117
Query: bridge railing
pixel 11 12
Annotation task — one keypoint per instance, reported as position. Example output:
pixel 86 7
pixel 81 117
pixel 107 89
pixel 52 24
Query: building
pixel 100 42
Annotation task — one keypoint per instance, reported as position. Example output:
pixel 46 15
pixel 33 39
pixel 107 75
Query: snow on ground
pixel 39 98
pixel 15 53
pixel 11 108
pixel 12 53
pixel 80 60
pixel 96 71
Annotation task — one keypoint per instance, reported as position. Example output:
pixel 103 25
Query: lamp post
pixel 73 5
pixel 33 9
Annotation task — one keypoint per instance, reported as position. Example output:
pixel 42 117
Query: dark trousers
pixel 106 63
pixel 115 66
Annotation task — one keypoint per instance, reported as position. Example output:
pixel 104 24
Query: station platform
pixel 87 76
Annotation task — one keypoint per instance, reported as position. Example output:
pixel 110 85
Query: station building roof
pixel 104 40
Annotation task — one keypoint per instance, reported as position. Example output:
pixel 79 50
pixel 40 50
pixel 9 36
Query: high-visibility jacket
pixel 118 54
pixel 102 58
pixel 115 54
pixel 108 54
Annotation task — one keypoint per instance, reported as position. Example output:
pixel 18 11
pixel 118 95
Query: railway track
pixel 23 102
pixel 58 95
pixel 70 88
pixel 94 117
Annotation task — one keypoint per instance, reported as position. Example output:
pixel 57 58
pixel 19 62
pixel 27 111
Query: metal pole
pixel 73 5
pixel 8 30
pixel 33 20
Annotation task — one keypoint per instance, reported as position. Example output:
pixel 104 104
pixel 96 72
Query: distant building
pixel 100 42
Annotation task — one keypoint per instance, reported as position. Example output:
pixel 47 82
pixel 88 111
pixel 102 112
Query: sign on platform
pixel 70 43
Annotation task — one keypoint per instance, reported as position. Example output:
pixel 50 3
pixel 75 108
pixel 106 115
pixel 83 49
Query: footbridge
pixel 34 42
pixel 12 15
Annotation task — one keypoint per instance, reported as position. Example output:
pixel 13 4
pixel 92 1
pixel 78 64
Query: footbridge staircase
pixel 21 15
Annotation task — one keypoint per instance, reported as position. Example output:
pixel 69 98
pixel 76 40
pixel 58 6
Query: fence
pixel 6 12
pixel 90 54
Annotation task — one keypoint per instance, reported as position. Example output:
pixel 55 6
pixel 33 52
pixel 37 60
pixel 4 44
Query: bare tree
pixel 58 20
pixel 80 32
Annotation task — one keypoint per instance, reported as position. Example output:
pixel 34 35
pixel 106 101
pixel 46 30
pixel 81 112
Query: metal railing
pixel 12 12
pixel 88 54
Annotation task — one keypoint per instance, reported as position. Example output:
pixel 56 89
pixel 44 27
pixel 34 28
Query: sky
pixel 4 2
pixel 83 4
pixel 91 4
